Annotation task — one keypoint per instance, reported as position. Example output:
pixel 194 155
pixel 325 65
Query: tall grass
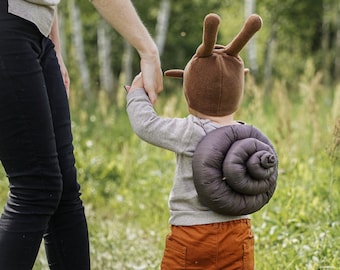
pixel 125 182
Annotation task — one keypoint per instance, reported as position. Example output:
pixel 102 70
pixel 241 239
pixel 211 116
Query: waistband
pixel 231 223
pixel 10 23
pixel 223 224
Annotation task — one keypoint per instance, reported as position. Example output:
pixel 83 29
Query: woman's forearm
pixel 122 16
pixel 54 36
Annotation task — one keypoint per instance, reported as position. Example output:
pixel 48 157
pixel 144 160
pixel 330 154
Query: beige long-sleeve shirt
pixel 181 136
pixel 39 12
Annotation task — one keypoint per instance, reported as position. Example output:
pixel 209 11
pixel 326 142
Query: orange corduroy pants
pixel 219 246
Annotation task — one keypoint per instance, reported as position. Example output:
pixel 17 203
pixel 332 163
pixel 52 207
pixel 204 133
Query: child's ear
pixel 174 73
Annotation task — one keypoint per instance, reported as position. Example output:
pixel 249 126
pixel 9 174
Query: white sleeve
pixel 173 134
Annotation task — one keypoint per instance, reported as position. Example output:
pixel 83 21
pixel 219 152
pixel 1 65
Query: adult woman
pixel 36 147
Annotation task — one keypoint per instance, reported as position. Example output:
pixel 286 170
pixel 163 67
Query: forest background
pixel 292 94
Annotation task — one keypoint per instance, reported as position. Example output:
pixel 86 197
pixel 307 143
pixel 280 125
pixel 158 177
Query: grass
pixel 125 182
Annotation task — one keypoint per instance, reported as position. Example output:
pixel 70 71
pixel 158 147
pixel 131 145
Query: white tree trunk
pixel 162 25
pixel 127 63
pixel 104 57
pixel 125 77
pixel 249 8
pixel 337 45
pixel 269 55
pixel 161 33
pixel 325 40
pixel 79 46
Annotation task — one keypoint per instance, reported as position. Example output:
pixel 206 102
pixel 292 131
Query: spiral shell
pixel 235 170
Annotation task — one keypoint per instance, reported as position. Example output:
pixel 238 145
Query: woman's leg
pixel 27 148
pixel 37 154
pixel 66 239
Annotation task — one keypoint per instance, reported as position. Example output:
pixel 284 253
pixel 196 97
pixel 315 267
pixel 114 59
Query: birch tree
pixel 160 39
pixel 104 57
pixel 337 43
pixel 77 37
pixel 127 63
pixel 162 25
pixel 249 8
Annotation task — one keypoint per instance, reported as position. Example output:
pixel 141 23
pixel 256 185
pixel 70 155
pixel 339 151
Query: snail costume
pixel 224 172
pixel 235 167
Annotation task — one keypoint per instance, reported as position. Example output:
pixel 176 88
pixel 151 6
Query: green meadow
pixel 126 182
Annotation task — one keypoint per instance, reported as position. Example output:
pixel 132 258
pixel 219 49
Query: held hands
pixel 152 76
pixel 137 83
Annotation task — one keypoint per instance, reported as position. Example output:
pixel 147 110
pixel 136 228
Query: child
pixel 213 83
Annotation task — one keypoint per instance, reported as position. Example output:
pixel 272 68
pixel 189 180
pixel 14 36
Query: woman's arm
pixel 54 36
pixel 122 16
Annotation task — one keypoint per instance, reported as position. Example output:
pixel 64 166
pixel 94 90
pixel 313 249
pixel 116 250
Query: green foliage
pixel 292 32
pixel 126 182
pixel 185 28
pixel 294 35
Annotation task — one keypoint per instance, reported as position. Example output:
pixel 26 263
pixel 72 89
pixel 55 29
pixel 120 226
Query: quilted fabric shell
pixel 235 170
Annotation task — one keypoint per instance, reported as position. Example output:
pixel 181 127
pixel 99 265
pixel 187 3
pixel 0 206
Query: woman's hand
pixel 64 73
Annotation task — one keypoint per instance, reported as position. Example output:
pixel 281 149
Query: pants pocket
pixel 248 253
pixel 174 255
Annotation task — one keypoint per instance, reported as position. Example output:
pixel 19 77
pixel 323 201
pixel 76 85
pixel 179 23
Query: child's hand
pixel 136 83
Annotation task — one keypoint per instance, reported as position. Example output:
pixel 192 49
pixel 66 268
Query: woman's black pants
pixel 36 152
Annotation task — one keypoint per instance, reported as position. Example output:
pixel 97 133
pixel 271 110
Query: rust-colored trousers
pixel 219 246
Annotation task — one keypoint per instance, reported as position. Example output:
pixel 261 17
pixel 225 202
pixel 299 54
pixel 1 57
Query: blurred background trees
pixel 293 32
pixel 292 95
